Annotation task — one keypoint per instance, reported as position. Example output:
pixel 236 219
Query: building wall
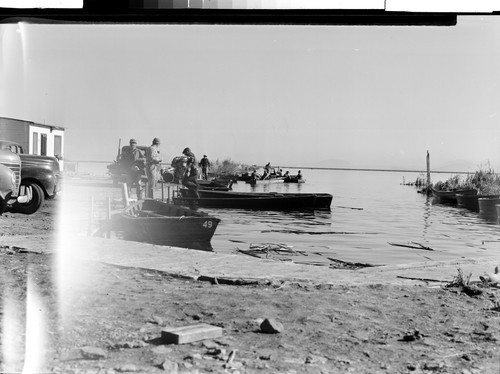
pixel 35 138
pixel 15 131
pixel 41 147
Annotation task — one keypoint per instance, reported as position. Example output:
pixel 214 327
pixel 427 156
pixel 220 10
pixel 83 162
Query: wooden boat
pixel 293 179
pixel 487 206
pixel 450 196
pixel 214 185
pixel 471 202
pixel 257 201
pixel 253 182
pixel 158 222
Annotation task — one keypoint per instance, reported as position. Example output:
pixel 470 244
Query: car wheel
pixel 3 206
pixel 35 203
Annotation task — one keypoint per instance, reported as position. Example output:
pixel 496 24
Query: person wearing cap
pixel 189 179
pixel 133 160
pixel 205 165
pixel 153 161
pixel 190 155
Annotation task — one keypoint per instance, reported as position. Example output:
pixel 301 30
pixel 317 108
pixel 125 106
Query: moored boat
pixel 257 201
pixel 471 202
pixel 450 196
pixel 293 180
pixel 487 206
pixel 214 185
pixel 159 222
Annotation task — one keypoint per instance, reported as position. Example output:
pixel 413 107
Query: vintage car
pixel 11 195
pixel 40 177
pixel 7 186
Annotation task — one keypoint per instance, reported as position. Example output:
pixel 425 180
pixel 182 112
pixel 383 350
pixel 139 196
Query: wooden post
pixel 428 171
pixel 126 200
pixel 91 215
pixel 108 217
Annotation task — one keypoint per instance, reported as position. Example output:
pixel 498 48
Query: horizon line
pixel 313 168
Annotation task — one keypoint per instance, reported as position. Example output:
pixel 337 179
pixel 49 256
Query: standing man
pixel 134 161
pixel 153 161
pixel 205 165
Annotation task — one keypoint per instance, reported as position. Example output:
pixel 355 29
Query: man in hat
pixel 205 165
pixel 133 160
pixel 189 180
pixel 153 161
pixel 190 155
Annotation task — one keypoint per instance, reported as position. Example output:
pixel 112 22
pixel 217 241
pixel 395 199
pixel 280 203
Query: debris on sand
pixel 411 336
pixel 491 278
pixel 271 326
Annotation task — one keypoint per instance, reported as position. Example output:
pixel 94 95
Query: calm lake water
pixel 369 210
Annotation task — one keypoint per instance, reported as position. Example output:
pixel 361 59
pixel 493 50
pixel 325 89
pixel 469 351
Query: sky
pixel 329 96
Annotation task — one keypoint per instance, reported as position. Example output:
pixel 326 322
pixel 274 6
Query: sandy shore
pixel 99 306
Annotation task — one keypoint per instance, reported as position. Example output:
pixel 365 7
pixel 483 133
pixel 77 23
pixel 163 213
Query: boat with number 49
pixel 159 222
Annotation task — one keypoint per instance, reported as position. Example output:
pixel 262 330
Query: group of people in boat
pixel 273 173
pixel 135 161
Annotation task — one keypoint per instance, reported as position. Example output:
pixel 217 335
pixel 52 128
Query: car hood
pixel 40 161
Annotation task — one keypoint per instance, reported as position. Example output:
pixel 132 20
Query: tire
pixel 3 206
pixel 35 203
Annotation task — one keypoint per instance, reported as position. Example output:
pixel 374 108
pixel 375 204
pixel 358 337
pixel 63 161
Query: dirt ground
pixel 114 324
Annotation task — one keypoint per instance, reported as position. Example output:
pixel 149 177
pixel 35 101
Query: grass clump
pixel 484 180
pixel 463 284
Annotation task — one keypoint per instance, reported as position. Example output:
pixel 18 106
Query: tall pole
pixel 428 170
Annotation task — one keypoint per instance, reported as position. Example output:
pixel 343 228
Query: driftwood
pixel 354 265
pixel 258 250
pixel 416 246
pixel 421 279
pixel 278 248
pixel 348 207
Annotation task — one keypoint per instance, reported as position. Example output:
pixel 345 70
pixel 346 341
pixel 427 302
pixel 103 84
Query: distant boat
pixel 257 201
pixel 450 196
pixel 294 179
pixel 158 222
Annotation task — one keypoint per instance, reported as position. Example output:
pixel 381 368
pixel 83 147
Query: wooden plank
pixel 188 334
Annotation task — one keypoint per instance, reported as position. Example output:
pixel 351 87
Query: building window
pixel 43 145
pixel 58 146
pixel 35 143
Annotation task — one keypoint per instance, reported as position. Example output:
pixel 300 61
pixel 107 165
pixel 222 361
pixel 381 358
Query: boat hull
pixel 158 222
pixel 471 202
pixel 487 207
pixel 450 197
pixel 257 201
